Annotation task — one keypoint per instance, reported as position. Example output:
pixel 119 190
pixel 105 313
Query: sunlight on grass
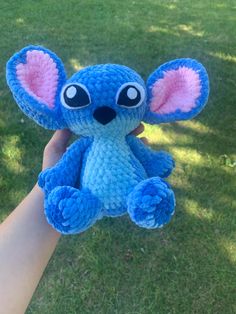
pixel 195 210
pixel 176 31
pixel 197 126
pixel 12 154
pixel 188 155
pixel 158 29
pixel 75 64
pixel 221 5
pixel 190 30
pixel 161 135
pixel 223 56
pixel 230 247
pixel 170 6
pixel 20 20
pixel 156 135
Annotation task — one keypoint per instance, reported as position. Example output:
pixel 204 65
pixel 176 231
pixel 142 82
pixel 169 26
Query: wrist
pixel 37 196
pixel 38 190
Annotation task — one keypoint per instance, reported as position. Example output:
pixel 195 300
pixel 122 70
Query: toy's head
pixel 104 100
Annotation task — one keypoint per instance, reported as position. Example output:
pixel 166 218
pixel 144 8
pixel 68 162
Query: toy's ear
pixel 35 76
pixel 177 90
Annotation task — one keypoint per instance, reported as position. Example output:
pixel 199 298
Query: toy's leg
pixel 151 203
pixel 70 210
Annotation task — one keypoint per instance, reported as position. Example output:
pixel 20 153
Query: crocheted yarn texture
pixel 106 172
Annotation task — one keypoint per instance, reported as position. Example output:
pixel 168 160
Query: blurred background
pixel 116 267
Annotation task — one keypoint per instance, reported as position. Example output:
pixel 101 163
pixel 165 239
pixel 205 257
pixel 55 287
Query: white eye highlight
pixel 71 92
pixel 132 93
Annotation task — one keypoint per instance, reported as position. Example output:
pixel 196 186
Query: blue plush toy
pixel 106 172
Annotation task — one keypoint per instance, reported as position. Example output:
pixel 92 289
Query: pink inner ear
pixel 178 89
pixel 39 76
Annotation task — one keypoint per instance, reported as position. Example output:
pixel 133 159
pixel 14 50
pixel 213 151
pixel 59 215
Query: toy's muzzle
pixel 104 114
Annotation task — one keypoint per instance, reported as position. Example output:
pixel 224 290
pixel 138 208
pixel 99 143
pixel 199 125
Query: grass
pixel 115 267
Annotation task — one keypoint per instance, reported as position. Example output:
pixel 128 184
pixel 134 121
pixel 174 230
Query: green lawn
pixel 116 267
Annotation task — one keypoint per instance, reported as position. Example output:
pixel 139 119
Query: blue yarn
pixel 151 203
pixel 106 172
pixel 155 163
pixel 154 118
pixel 70 210
pixel 49 119
pixel 67 170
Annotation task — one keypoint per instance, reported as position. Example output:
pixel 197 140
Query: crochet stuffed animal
pixel 106 172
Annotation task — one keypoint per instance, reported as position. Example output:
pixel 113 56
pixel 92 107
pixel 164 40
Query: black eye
pixel 75 96
pixel 130 95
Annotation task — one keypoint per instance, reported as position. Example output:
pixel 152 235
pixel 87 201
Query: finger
pixel 144 140
pixel 138 130
pixel 60 140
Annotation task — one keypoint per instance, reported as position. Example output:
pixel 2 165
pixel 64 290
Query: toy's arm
pixel 155 163
pixel 67 170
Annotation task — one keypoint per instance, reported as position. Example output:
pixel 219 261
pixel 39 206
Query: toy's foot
pixel 70 210
pixel 151 203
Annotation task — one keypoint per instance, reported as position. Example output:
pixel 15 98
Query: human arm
pixel 27 241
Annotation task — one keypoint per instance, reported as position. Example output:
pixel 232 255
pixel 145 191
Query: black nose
pixel 104 114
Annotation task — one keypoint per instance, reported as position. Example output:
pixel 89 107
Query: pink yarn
pixel 178 89
pixel 39 76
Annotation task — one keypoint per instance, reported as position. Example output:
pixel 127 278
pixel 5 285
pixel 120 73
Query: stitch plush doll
pixel 106 172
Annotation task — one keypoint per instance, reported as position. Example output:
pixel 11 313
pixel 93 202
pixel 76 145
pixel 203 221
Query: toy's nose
pixel 104 114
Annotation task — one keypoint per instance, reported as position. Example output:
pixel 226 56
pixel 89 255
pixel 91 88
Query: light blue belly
pixel 111 172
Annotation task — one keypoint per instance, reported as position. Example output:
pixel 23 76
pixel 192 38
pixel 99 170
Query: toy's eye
pixel 75 96
pixel 130 95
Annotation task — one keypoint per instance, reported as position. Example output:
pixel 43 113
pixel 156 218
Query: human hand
pixel 138 131
pixel 55 148
pixel 59 142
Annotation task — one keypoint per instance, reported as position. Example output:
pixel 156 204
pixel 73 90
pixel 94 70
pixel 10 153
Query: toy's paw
pixel 165 164
pixel 151 204
pixel 48 179
pixel 70 210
